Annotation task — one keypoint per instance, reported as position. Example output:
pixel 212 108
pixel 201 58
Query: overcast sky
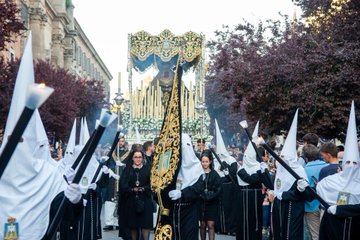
pixel 108 22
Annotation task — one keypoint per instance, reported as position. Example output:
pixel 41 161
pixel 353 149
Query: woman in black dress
pixel 135 187
pixel 209 197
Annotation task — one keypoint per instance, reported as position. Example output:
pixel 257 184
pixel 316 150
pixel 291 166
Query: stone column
pixel 38 20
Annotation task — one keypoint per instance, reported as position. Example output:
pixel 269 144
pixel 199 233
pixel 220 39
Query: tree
pixel 62 107
pixel 91 98
pixel 7 81
pixel 72 98
pixel 312 67
pixel 10 23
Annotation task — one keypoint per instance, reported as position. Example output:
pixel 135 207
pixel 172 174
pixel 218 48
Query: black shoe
pixel 108 228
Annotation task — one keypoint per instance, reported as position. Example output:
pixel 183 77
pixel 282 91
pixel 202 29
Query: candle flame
pixel 41 85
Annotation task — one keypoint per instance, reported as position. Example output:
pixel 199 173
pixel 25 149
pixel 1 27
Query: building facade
pixel 57 37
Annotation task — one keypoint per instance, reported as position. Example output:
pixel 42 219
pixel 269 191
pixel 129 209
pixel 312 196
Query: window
pixel 24 15
pixel 12 55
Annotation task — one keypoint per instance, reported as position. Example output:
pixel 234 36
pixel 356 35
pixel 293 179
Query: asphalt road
pixel 112 235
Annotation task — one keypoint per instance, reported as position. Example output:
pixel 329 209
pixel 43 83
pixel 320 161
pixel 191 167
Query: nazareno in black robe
pixel 249 200
pixel 287 218
pixel 185 214
pixel 226 222
pixel 89 225
pixel 68 224
pixel 345 225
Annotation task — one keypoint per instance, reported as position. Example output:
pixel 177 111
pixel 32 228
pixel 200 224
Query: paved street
pixel 112 235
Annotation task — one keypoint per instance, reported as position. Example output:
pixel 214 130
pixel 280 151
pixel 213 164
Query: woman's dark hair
pixel 207 153
pixel 135 149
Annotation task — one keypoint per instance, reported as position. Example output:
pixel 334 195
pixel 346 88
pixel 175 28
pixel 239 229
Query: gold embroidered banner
pixel 167 153
pixel 166 46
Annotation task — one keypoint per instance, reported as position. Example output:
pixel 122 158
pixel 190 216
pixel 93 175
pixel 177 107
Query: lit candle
pixel 37 95
pixel 105 120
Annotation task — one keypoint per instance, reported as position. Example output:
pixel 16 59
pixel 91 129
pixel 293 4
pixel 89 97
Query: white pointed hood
pixel 221 151
pixel 250 164
pixel 138 137
pixel 191 168
pixel 66 162
pixel 71 142
pixel 81 136
pixel 348 180
pixel 284 180
pixel 30 181
pixel 86 131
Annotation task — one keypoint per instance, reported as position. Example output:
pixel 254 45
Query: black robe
pixel 68 224
pixel 227 204
pixel 209 201
pixel 249 200
pixel 185 214
pixel 109 193
pixel 345 225
pixel 89 225
pixel 287 220
pixel 226 223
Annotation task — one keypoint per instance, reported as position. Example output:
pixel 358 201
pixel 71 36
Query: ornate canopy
pixel 163 50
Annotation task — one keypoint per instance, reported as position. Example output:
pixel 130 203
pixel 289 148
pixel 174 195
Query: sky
pixel 107 23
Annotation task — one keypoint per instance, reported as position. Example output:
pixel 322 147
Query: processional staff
pixel 36 96
pixel 105 121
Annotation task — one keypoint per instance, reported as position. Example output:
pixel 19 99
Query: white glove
pixel 84 202
pixel 113 175
pixel 104 159
pixel 73 193
pixel 175 194
pixel 70 174
pixel 226 172
pixel 119 163
pixel 332 209
pixel 302 184
pixel 263 166
pixel 259 140
pixel 239 167
pixel 92 186
pixel 105 169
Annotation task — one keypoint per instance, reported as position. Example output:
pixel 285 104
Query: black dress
pixel 137 206
pixel 209 202
pixel 344 225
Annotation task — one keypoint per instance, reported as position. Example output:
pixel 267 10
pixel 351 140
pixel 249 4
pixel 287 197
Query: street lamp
pixel 119 101
pixel 200 109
